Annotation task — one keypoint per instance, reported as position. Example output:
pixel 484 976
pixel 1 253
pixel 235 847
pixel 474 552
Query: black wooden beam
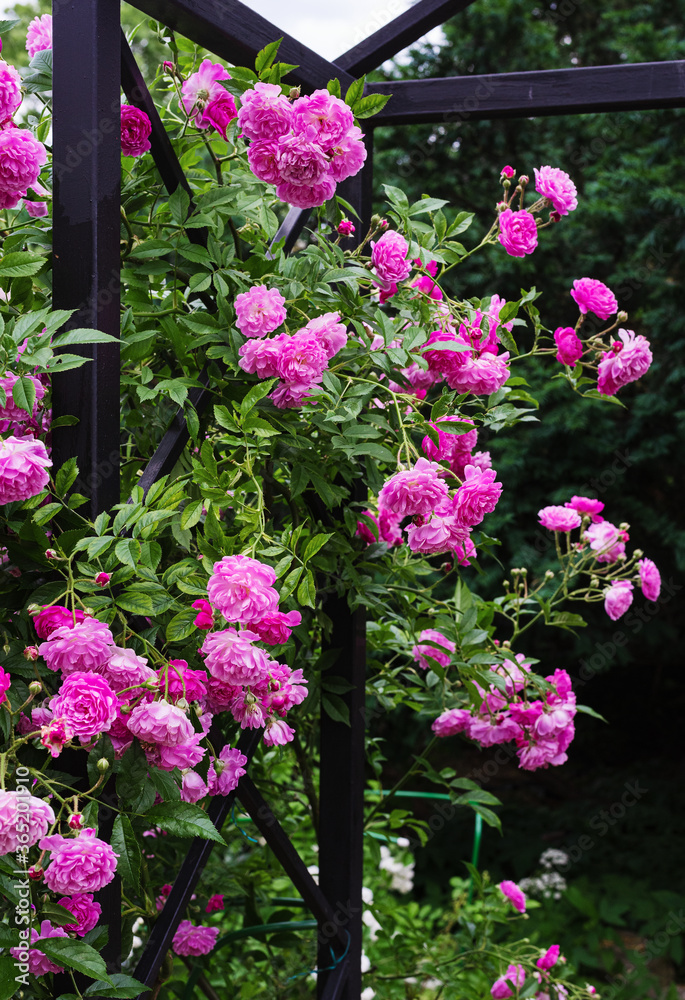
pixel 188 876
pixel 290 861
pixel 581 90
pixel 398 34
pixel 341 797
pixel 235 33
pixel 86 172
pixel 137 94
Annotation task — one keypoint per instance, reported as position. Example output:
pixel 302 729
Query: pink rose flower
pixel 557 187
pixel 21 157
pixel 12 417
pixel 38 963
pixel 301 359
pixel 161 723
pixel 348 156
pixel 422 650
pixel 39 34
pixel 592 295
pixel 80 864
pixel 233 659
pixel 414 491
pixel 301 160
pixel 225 771
pixel 241 588
pixel 549 959
pixel 102 579
pixel 628 359
pixel 275 627
pixel 586 505
pixel 329 331
pixel 507 171
pixel 345 227
pixel 200 89
pixel 10 90
pixel 193 788
pixel 265 112
pixel 55 735
pixel 215 903
pixel 125 669
pixel 190 939
pixel 36 209
pixel 453 721
pixel 86 911
pixel 288 395
pixel 5 684
pixel 514 976
pixel 306 195
pixel 182 755
pixel 518 232
pixel 481 375
pixel 435 535
pixel 558 518
pixel 389 258
pixel 259 311
pixel 24 819
pixel 53 617
pixel 449 444
pixel 606 541
pixel 260 357
pixel 179 681
pixel 205 617
pixel 83 647
pixel 618 598
pixel 329 118
pixel 135 131
pixel 650 579
pixel 219 112
pixel 23 461
pixel 512 892
pixel 86 704
pixel 569 345
pixel 263 159
pixel 278 733
pixel 477 496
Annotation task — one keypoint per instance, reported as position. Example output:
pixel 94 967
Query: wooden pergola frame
pixel 92 61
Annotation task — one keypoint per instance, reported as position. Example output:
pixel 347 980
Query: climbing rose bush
pixel 158 653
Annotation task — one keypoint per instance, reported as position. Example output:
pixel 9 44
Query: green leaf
pixel 7 25
pixel 565 619
pixel 256 393
pixel 24 394
pixel 179 204
pixel 355 91
pixel 265 57
pixel 192 512
pixel 74 955
pixel 125 843
pixel 181 625
pixel 20 265
pixel 123 988
pixel 370 105
pixel 165 784
pixel 314 544
pixel 56 914
pixel 306 592
pixel 461 223
pixel 335 707
pixel 184 819
pixel 427 205
pixel 396 197
pixel 586 710
pixel 83 336
pixel 491 818
pixel 66 477
pixel 333 88
pixel 127 551
pixel 8 972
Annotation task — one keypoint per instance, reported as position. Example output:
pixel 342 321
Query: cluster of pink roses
pixel 518 230
pixel 299 359
pixel 305 148
pixel 542 728
pixel 18 422
pixel 468 358
pixel 441 520
pixel 627 358
pixel 608 545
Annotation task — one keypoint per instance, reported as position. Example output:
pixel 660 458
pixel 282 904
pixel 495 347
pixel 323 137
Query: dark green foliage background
pixel 628 231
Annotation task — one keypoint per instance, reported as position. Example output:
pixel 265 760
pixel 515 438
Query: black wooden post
pixel 87 172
